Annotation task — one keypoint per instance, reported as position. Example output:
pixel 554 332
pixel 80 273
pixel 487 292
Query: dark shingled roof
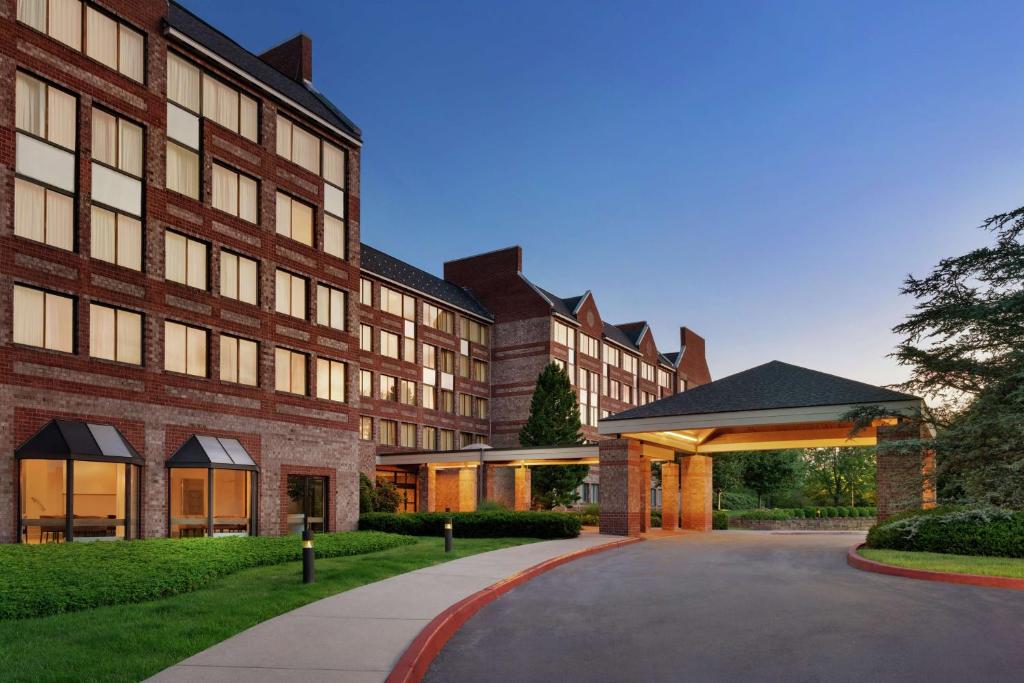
pixel 562 306
pixel 305 94
pixel 633 330
pixel 616 335
pixel 387 266
pixel 769 386
pixel 670 358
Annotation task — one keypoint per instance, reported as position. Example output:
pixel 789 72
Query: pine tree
pixel 554 421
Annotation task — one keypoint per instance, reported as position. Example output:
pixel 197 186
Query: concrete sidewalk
pixel 358 635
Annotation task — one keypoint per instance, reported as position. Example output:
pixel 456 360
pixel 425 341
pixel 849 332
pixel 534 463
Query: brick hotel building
pixel 193 339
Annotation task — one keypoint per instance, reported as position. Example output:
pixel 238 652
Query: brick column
pixel 425 489
pixel 467 489
pixel 622 481
pixel 499 485
pixel 695 474
pixel 904 474
pixel 645 515
pixel 669 496
pixel 523 491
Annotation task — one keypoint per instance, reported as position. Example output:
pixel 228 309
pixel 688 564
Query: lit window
pixel 115 334
pixel 334 236
pixel 465 405
pixel 184 83
pixel 389 344
pixel 113 44
pixel 330 307
pixel 229 108
pixel 184 349
pixel 388 432
pixel 365 337
pixel 479 370
pixel 407 392
pixel 185 260
pixel 290 371
pixel 473 331
pixel 430 437
pixel 438 319
pixel 334 165
pixel 44 215
pixel 116 238
pixel 45 112
pixel 388 388
pixel 235 193
pixel 294 219
pixel 366 383
pixel 397 303
pixel 239 277
pixel 429 399
pixel 365 292
pixel 182 170
pixel 365 428
pixel 297 145
pixel 290 294
pixel 43 319
pixel 239 360
pixel 446 440
pixel 116 142
pixel 61 19
pixel 330 379
pixel 446 360
pixel 407 435
pixel 481 408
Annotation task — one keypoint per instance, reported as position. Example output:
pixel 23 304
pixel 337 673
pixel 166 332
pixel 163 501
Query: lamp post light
pixel 448 535
pixel 308 571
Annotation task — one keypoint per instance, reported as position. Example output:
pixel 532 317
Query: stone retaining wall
pixel 804 524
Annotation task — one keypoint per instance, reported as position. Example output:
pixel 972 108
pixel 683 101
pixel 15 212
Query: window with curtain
pixel 397 303
pixel 290 371
pixel 407 435
pixel 290 294
pixel 429 396
pixel 389 344
pixel 365 428
pixel 184 83
pixel 43 319
pixel 445 440
pixel 388 388
pixel 407 392
pixel 430 437
pixel 330 379
pixel 235 193
pixel 335 242
pixel 365 292
pixel 185 260
pixel 115 334
pixel 117 142
pixel 239 277
pixel 116 238
pixel 438 319
pixel 239 360
pixel 298 145
pixel 334 165
pixel 228 107
pixel 182 170
pixel 294 219
pixel 388 432
pixel 366 383
pixel 45 111
pixel 479 370
pixel 330 307
pixel 184 349
pixel 64 22
pixel 44 215
pixel 365 337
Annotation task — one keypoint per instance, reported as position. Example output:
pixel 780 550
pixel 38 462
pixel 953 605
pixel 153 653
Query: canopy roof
pixel 77 440
pixel 211 451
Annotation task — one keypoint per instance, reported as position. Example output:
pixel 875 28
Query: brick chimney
pixel 694 361
pixel 293 58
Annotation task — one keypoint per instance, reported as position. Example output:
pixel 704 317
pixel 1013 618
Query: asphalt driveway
pixel 737 606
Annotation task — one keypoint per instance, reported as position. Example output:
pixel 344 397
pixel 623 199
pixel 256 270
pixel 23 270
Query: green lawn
pixel 131 642
pixel 939 562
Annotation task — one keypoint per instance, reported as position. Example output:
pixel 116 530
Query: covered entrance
pixel 772 406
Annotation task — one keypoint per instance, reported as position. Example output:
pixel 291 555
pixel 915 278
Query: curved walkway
pixel 358 635
pixel 737 606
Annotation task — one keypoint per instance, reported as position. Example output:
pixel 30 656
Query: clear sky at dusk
pixel 765 173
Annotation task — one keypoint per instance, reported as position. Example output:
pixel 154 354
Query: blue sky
pixel 765 173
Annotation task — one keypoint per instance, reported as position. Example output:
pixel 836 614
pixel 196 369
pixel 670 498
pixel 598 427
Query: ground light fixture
pixel 308 570
pixel 448 535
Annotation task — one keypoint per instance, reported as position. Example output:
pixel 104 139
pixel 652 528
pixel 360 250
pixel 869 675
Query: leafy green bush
pixel 832 511
pixel 655 517
pixel 487 506
pixel 843 512
pixel 765 514
pixel 738 501
pixel 586 518
pixel 957 531
pixel 720 520
pixel 476 524
pixel 39 580
pixel 810 513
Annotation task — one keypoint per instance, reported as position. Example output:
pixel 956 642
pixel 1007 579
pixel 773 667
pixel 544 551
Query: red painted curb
pixel 858 561
pixel 416 659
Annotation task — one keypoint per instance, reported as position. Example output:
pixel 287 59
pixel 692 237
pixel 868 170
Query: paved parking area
pixel 737 606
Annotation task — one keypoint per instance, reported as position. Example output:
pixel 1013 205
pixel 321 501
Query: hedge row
pixel 49 579
pixel 809 513
pixel 720 520
pixel 476 524
pixel 957 531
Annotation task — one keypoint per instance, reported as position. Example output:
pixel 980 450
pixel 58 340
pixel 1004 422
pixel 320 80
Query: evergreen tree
pixel 554 421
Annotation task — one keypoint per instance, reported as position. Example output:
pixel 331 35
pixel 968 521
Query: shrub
pixel 765 514
pixel 591 509
pixel 587 519
pixel 386 497
pixel 831 512
pixel 958 531
pixel 489 506
pixel 842 512
pixel 810 513
pixel 738 501
pixel 720 520
pixel 365 494
pixel 40 580
pixel 476 524
pixel 655 517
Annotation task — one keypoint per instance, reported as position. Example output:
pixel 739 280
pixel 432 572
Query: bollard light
pixel 308 572
pixel 448 535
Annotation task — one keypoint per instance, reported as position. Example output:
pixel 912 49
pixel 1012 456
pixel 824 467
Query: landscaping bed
pixel 475 524
pixel 55 578
pixel 954 531
pixel 1012 567
pixel 803 524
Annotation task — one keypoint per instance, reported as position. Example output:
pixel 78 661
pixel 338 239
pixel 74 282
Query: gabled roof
pixel 77 440
pixel 387 266
pixel 614 334
pixel 635 331
pixel 565 307
pixel 672 358
pixel 303 93
pixel 770 386
pixel 211 451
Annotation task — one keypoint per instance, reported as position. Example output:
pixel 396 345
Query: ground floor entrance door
pixel 307 503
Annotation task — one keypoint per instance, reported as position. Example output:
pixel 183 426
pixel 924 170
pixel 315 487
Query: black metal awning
pixel 212 451
pixel 76 440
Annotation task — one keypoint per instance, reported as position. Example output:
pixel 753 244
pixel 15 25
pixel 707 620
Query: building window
pixel 184 349
pixel 430 438
pixel 116 238
pixel 407 392
pixel 447 399
pixel 588 345
pixel 298 145
pixel 465 405
pixel 647 371
pixel 117 143
pixel 366 383
pixel 330 379
pixel 330 307
pixel 664 379
pixel 290 294
pixel 564 335
pixel 182 170
pixel 46 112
pixel 481 408
pixel 290 371
pixel 479 370
pixel 334 165
pixel 397 303
pixel 239 277
pixel 365 292
pixel 389 344
pixel 388 432
pixel 294 219
pixel 43 319
pixel 464 364
pixel 629 363
pixel 407 435
pixel 60 19
pixel 388 388
pixel 239 360
pixel 429 399
pixel 473 331
pixel 185 260
pixel 445 440
pixel 235 193
pixel 44 215
pixel 115 334
pixel 446 360
pixel 335 237
pixel 429 356
pixel 229 108
pixel 365 337
pixel 438 319
pixel 365 428
pixel 184 83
